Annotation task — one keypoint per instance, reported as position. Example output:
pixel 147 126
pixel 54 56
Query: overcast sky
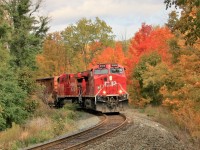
pixel 124 16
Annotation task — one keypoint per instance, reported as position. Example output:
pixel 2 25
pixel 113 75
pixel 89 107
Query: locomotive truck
pixel 102 88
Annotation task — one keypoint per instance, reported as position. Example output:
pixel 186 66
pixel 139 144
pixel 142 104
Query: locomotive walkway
pixel 108 124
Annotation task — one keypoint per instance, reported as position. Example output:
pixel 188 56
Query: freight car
pixel 50 89
pixel 67 89
pixel 102 88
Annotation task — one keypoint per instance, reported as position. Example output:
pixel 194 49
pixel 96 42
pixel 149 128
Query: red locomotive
pixel 103 88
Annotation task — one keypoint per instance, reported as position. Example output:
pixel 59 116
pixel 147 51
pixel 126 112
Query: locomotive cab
pixel 106 88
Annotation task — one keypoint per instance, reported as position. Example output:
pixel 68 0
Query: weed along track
pixel 109 124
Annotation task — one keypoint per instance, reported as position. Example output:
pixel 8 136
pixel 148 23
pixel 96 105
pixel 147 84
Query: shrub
pixel 147 72
pixel 12 99
pixel 26 79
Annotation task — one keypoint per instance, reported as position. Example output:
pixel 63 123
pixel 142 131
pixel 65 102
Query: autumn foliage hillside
pixel 160 70
pixel 163 73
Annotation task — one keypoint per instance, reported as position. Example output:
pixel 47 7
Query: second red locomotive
pixel 102 88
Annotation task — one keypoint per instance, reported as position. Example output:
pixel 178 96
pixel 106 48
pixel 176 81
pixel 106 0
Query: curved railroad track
pixel 109 124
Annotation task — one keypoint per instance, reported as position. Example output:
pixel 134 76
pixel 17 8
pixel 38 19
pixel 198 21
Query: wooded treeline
pixel 162 63
pixel 22 31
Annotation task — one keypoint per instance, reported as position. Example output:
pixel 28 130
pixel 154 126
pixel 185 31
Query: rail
pixel 108 125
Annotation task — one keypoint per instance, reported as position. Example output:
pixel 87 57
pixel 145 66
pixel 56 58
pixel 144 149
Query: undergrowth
pixel 45 124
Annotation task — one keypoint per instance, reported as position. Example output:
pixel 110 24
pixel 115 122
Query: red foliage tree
pixel 147 40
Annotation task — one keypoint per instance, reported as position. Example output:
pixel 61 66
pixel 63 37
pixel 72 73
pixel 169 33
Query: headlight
pixel 104 92
pixel 120 91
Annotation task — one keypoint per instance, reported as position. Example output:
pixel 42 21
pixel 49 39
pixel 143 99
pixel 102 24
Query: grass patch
pixel 45 124
pixel 9 136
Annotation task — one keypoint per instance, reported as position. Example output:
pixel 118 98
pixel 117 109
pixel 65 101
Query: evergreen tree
pixel 12 96
pixel 28 31
pixel 21 36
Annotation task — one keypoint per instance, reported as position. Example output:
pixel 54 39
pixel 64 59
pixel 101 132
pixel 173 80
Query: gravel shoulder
pixel 141 133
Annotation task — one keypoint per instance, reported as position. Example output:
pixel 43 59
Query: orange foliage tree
pixel 182 97
pixel 110 55
pixel 53 59
pixel 145 41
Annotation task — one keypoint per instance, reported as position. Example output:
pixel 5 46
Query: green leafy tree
pixel 152 75
pixel 12 100
pixel 189 22
pixel 27 33
pixel 153 79
pixel 12 97
pixel 159 77
pixel 4 28
pixel 79 38
pixel 153 59
pixel 146 92
pixel 21 36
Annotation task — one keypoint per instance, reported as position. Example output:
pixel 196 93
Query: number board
pixel 114 65
pixel 102 66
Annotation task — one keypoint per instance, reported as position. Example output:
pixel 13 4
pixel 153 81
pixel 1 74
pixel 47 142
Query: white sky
pixel 124 16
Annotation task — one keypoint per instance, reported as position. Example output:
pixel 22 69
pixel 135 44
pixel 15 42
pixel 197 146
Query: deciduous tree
pixel 79 37
pixel 147 40
pixel 110 55
pixel 189 22
pixel 53 60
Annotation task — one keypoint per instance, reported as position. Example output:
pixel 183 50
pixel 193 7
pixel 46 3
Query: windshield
pixel 101 71
pixel 116 70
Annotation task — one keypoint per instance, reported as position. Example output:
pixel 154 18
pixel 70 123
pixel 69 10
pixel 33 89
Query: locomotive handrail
pixel 80 96
pixel 82 93
pixel 123 89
